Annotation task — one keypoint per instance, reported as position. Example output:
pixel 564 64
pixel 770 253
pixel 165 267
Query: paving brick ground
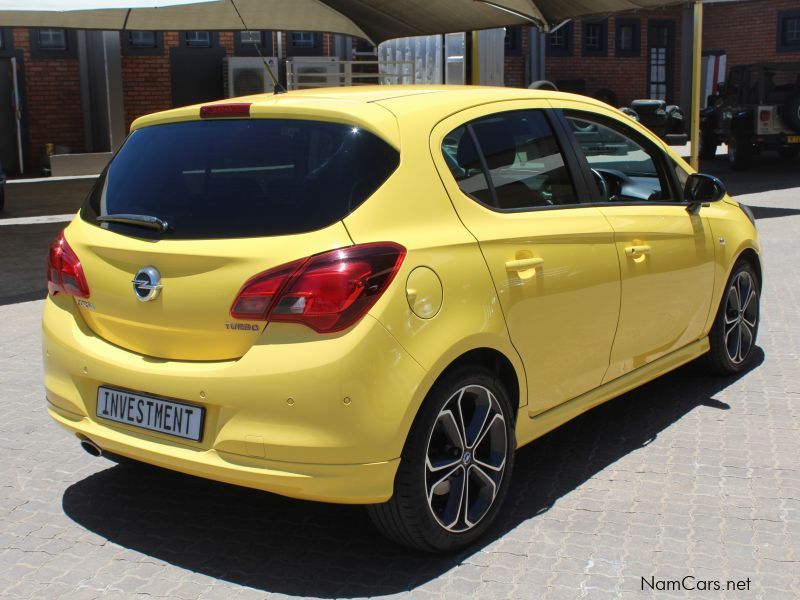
pixel 687 476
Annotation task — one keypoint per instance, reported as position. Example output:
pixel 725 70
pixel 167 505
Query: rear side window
pixel 241 178
pixel 510 161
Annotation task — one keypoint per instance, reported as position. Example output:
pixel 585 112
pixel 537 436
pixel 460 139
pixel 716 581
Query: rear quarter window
pixel 241 178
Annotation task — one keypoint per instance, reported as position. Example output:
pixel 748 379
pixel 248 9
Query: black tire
pixel 791 113
pixel 732 324
pixel 740 151
pixel 408 517
pixel 786 153
pixel 708 145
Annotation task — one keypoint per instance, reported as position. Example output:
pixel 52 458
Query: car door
pixel 552 260
pixel 665 250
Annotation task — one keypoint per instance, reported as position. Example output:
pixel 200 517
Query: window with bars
pixel 595 38
pixel 659 55
pixel 50 42
pixel 253 38
pixel 198 39
pixel 789 31
pixel 142 39
pixel 303 39
pixel 628 37
pixel 52 39
pixel 559 42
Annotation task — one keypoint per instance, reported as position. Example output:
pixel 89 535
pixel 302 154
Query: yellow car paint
pixel 325 417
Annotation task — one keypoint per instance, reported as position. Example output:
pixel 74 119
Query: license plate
pixel 793 139
pixel 155 414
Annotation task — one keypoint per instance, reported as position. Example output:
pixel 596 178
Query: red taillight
pixel 64 271
pixel 765 115
pixel 327 292
pixel 220 111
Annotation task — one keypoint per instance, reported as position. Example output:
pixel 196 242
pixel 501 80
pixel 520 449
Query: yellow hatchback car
pixel 374 295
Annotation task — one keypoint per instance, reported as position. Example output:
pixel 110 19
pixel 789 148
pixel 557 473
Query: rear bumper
pixel 307 416
pixel 349 484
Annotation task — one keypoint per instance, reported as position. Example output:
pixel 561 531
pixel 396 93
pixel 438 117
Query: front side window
pixel 52 39
pixel 509 161
pixel 624 170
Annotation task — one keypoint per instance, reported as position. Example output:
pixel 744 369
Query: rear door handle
pixel 523 264
pixel 637 250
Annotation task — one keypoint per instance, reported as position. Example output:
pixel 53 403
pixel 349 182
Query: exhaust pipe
pixel 92 448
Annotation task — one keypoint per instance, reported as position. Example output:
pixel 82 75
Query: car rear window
pixel 240 178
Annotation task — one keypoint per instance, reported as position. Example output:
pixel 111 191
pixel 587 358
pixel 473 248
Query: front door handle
pixel 637 250
pixel 524 264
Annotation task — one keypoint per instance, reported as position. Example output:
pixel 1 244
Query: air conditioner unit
pixel 314 71
pixel 248 75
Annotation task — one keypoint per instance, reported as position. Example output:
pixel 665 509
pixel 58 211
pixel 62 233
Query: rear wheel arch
pixel 497 363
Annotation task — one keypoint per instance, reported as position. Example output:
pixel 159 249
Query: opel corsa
pixel 375 295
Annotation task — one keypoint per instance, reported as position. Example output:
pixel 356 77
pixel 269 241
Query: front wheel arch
pixel 750 256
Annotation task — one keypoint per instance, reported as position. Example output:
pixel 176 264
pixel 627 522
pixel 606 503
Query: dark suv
pixel 757 108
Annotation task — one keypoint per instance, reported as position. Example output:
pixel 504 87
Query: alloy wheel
pixel 741 317
pixel 465 458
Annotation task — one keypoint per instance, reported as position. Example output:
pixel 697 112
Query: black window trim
pixel 571 163
pixel 214 37
pixel 623 129
pixel 36 50
pixel 636 24
pixel 603 50
pixel 242 49
pixel 83 211
pixel 784 16
pixel 7 49
pixel 514 38
pixel 129 49
pixel 569 42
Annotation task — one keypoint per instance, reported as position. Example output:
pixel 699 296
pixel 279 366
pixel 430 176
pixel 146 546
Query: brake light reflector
pixel 64 270
pixel 220 111
pixel 327 292
pixel 258 293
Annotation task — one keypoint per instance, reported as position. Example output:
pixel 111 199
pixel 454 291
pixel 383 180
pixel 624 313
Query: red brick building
pixel 640 54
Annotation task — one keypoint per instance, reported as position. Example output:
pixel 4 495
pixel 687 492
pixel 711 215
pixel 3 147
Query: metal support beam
pixel 475 62
pixel 697 64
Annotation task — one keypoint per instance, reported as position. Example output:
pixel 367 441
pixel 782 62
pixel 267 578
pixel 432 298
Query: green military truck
pixel 757 108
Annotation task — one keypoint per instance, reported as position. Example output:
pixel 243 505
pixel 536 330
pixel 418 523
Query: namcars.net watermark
pixel 690 583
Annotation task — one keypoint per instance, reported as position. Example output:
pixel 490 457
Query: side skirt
pixel 538 424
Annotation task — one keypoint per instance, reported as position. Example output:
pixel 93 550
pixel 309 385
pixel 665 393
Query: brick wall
pixel 747 32
pixel 515 64
pixel 625 76
pixel 53 94
pixel 146 86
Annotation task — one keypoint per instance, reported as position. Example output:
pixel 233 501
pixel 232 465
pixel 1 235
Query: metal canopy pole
pixel 697 64
pixel 17 112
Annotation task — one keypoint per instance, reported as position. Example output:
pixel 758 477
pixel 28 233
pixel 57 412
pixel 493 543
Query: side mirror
pixel 701 188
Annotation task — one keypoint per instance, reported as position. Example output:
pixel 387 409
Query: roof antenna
pixel 277 88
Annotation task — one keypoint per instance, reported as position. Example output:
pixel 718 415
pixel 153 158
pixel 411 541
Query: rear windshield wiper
pixel 135 220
